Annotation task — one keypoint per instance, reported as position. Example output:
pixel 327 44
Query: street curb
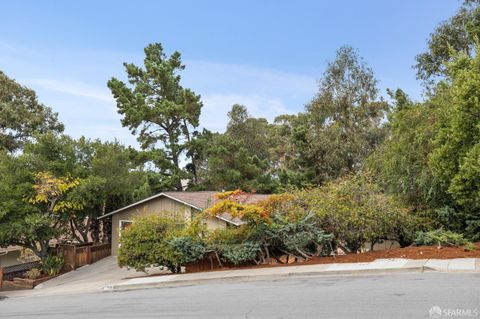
pixel 181 283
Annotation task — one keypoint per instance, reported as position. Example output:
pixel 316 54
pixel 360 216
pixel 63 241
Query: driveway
pixel 85 279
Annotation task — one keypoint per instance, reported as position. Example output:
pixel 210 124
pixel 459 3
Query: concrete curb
pixel 263 277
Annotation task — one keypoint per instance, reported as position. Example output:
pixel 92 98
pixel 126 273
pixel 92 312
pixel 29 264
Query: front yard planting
pixel 340 222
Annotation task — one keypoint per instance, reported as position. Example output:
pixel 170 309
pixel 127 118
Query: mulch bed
pixel 413 252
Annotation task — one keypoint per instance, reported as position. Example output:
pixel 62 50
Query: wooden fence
pixel 10 272
pixel 77 255
pixel 74 255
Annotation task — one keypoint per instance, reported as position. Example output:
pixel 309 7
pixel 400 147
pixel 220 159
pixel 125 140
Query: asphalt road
pixel 386 296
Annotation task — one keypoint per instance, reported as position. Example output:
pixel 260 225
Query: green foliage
pixel 254 133
pixel 235 245
pixel 157 108
pixel 440 237
pixel 356 211
pixel 186 249
pixel 401 162
pixel 431 156
pixel 52 265
pixel 241 253
pixel 469 247
pixel 457 34
pixel 292 151
pixel 21 115
pixel 21 222
pixel 300 236
pixel 424 161
pixel 241 158
pixel 153 241
pixel 109 175
pixel 272 228
pixel 227 163
pixel 455 158
pixel 341 126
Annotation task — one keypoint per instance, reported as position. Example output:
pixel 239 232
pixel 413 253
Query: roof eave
pixel 146 200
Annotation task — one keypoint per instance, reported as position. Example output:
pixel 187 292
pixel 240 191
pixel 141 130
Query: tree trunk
pixel 192 156
pixel 176 162
pixel 84 233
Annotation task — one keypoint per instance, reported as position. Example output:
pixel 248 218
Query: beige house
pixel 181 205
pixel 10 255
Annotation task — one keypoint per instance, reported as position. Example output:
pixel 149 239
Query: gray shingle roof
pixel 199 200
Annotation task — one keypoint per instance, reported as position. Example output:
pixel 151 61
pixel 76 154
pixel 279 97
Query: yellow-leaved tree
pixel 50 198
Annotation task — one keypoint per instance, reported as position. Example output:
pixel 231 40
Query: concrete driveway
pixel 85 279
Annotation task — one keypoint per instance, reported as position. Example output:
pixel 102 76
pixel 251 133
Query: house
pixel 13 256
pixel 182 205
pixel 9 256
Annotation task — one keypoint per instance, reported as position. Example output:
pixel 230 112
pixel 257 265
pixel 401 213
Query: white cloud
pixel 73 83
pixel 75 88
pixel 245 79
pixel 216 107
pixel 265 92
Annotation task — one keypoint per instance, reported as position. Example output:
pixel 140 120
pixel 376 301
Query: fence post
pixel 1 277
pixel 89 255
pixel 75 265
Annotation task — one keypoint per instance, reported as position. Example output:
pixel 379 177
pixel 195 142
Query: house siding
pixel 163 206
pixel 10 258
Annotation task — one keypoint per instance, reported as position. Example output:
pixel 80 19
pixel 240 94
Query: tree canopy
pixel 158 109
pixel 355 166
pixel 457 34
pixel 341 126
pixel 22 115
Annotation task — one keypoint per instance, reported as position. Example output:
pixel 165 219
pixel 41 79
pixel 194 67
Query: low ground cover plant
pixel 441 237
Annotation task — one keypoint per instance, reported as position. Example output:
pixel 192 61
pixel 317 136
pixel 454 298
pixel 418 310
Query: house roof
pixel 198 200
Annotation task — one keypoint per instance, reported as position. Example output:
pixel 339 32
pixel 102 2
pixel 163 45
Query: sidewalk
pixel 379 266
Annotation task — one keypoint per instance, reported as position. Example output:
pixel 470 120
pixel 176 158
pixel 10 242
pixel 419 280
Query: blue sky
pixel 266 55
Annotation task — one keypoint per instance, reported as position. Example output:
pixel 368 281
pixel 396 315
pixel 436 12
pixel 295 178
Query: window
pixel 124 224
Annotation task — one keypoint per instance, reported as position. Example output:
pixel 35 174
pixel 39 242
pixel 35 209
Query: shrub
pixel 154 241
pixel 33 273
pixel 356 211
pixel 52 265
pixel 469 247
pixel 301 237
pixel 241 253
pixel 234 245
pixel 186 249
pixel 440 237
pixel 346 213
pixel 278 229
